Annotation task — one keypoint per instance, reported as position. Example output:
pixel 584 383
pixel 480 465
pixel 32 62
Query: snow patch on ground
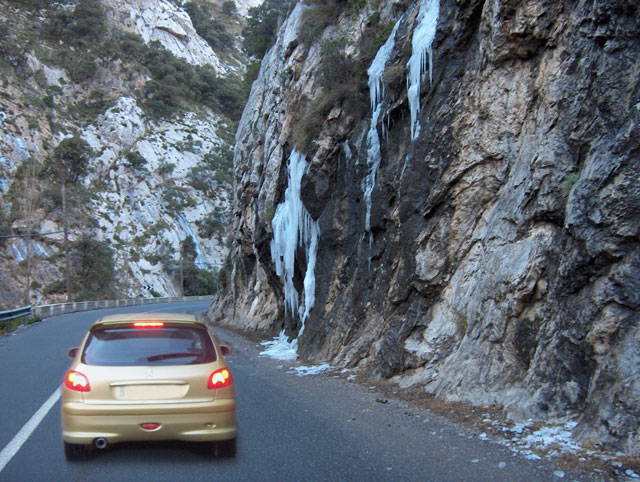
pixel 280 348
pixel 528 439
pixel 554 436
pixel 303 371
pixel 536 442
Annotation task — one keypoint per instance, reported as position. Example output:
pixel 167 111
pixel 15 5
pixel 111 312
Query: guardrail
pixel 45 311
pixel 7 316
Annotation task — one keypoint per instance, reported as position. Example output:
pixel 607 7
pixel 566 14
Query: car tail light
pixel 220 379
pixel 76 381
pixel 148 324
pixel 150 426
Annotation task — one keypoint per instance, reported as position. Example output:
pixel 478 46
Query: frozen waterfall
pixel 376 92
pixel 293 226
pixel 423 36
pixel 201 260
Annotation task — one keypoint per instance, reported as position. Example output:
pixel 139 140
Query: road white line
pixel 25 432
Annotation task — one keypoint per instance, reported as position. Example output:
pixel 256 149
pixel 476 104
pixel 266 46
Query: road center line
pixel 25 432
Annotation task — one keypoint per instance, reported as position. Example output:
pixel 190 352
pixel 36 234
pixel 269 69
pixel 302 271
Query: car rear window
pixel 129 346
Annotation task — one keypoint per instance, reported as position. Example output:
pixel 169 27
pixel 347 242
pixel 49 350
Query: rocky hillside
pixel 146 108
pixel 446 194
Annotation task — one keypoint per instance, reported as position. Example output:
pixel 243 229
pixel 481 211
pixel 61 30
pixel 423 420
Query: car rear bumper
pixel 196 422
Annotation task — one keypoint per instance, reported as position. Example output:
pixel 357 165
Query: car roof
pixel 156 316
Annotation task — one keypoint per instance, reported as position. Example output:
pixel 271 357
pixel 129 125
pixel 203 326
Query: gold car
pixel 148 377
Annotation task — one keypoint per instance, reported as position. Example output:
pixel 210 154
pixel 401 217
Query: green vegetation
pixel 176 200
pixel 93 271
pixel 70 160
pixel 30 4
pixel 220 160
pixel 262 25
pixel 313 115
pixel 323 13
pixel 97 103
pixel 212 30
pixel 316 19
pixel 134 160
pixel 229 8
pixel 197 281
pixel 336 66
pixel 251 74
pixel 166 168
pixel 340 77
pixel 10 326
pixel 215 224
pixel 570 180
pixel 76 39
pixel 176 84
pixel 10 53
pixel 5 229
pixel 201 179
pixel 83 26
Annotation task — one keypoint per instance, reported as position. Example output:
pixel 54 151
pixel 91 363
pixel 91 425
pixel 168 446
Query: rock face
pixel 163 21
pixel 143 212
pixel 135 211
pixel 498 261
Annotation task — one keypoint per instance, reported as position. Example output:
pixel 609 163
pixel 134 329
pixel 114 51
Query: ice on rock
pixel 423 36
pixel 376 92
pixel 294 227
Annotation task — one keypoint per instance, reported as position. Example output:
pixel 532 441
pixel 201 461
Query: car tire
pixel 75 452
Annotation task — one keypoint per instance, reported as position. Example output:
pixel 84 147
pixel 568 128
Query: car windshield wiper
pixel 170 355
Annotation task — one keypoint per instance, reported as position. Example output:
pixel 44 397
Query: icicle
pixel 347 152
pixel 376 93
pixel 423 36
pixel 293 226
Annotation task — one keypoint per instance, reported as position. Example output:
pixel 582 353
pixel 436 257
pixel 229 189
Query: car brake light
pixel 220 379
pixel 76 381
pixel 148 324
pixel 150 426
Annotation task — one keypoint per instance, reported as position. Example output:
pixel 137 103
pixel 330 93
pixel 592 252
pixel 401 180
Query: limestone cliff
pixel 61 78
pixel 480 237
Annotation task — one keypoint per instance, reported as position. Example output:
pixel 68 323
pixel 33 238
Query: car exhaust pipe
pixel 100 443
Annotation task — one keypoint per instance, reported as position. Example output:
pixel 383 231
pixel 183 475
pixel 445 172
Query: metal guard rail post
pixel 7 316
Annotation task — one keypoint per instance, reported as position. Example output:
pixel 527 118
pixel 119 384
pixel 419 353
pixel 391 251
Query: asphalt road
pixel 291 428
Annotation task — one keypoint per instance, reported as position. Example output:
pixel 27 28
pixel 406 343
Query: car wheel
pixel 227 448
pixel 75 451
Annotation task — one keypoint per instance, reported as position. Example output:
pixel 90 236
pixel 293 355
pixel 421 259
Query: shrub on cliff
pixel 30 4
pixel 10 51
pixel 262 26
pixel 197 282
pixel 82 25
pixel 323 13
pixel 70 160
pixel 339 76
pixel 94 269
pixel 212 30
